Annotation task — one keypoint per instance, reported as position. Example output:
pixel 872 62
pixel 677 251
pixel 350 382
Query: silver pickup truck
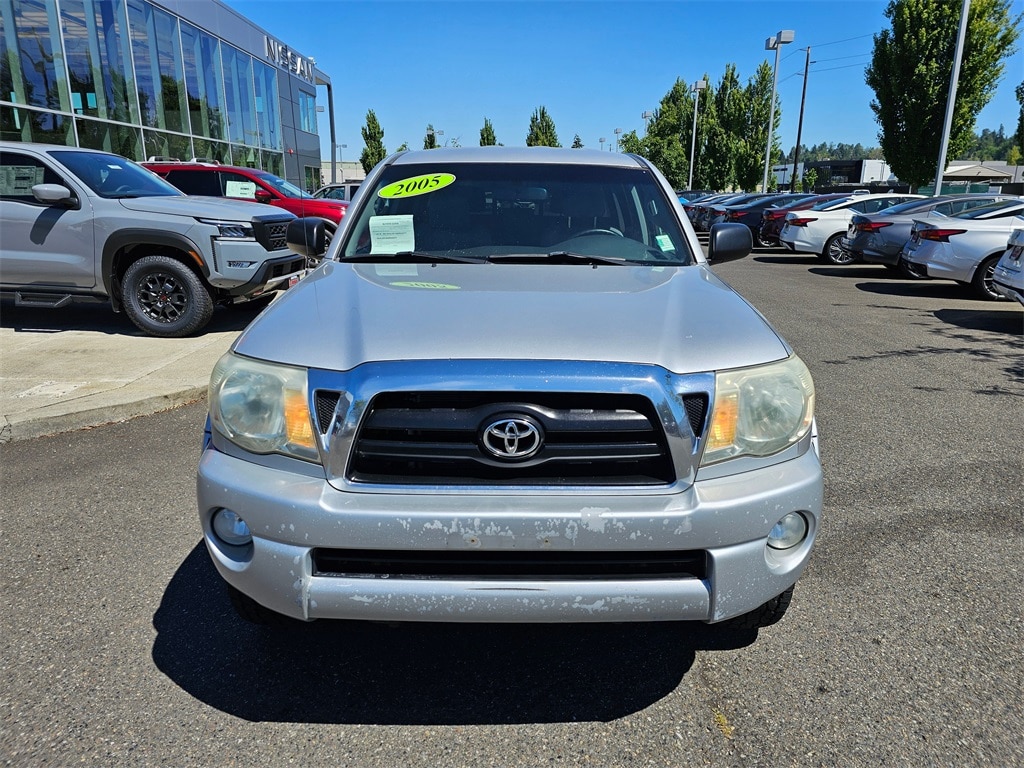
pixel 513 391
pixel 79 224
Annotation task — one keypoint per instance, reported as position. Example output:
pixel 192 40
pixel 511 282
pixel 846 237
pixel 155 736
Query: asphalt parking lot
pixel 902 647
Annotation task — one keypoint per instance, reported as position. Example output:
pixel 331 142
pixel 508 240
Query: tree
pixel 754 138
pixel 663 142
pixel 910 70
pixel 373 138
pixel 577 142
pixel 809 180
pixel 725 140
pixel 430 138
pixel 542 130
pixel 630 143
pixel 1019 137
pixel 487 137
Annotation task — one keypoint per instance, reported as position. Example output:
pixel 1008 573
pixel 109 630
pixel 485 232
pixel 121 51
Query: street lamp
pixel 646 117
pixel 602 140
pixel 698 86
pixel 773 43
pixel 617 131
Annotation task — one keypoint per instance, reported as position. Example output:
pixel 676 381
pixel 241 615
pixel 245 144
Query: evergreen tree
pixel 750 149
pixel 373 138
pixel 910 72
pixel 487 137
pixel 577 143
pixel 542 130
pixel 430 139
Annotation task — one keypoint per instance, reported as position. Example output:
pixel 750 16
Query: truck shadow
pixel 97 317
pixel 413 673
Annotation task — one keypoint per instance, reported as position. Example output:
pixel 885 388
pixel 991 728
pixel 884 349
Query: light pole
pixel 698 86
pixel 602 140
pixel 341 159
pixel 646 117
pixel 617 132
pixel 773 43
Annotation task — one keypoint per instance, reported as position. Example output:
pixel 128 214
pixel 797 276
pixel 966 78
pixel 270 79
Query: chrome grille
pixel 436 438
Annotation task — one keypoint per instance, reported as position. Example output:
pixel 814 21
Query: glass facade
pixel 130 77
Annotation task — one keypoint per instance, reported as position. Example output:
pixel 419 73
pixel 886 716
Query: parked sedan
pixel 774 218
pixel 820 229
pixel 702 216
pixel 749 213
pixel 1008 277
pixel 965 247
pixel 719 211
pixel 878 238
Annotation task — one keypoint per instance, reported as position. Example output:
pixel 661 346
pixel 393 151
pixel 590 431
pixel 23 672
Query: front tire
pixel 834 253
pixel 165 298
pixel 764 615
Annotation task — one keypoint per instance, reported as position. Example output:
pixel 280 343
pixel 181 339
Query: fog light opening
pixel 230 528
pixel 788 532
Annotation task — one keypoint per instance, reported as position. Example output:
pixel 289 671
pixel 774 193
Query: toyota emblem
pixel 512 438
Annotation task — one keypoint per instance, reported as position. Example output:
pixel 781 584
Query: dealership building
pixel 160 78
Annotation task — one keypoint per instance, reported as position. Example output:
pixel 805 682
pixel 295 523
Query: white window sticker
pixel 665 243
pixel 392 234
pixel 246 189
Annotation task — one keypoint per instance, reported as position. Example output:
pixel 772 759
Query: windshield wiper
pixel 410 257
pixel 558 257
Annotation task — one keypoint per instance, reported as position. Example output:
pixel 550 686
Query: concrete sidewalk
pixel 82 366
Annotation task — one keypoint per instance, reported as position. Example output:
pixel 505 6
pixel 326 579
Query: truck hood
pixel 202 207
pixel 342 315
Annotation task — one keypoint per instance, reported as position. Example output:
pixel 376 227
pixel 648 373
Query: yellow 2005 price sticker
pixel 417 185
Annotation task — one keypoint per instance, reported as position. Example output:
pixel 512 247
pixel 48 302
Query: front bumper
pixel 726 519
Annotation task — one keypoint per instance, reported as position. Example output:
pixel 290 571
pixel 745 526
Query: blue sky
pixel 596 66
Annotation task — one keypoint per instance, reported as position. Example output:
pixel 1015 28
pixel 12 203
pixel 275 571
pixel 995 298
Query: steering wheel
pixel 598 231
pixel 122 190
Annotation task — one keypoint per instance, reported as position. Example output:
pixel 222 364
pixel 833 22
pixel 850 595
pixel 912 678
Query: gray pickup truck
pixel 79 224
pixel 513 391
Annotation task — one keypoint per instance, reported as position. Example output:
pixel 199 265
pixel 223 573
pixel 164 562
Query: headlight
pixel 230 229
pixel 262 407
pixel 760 411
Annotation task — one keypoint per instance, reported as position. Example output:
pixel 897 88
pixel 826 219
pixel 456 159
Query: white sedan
pixel 821 228
pixel 965 247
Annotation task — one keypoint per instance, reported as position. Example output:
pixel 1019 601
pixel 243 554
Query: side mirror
pixel 307 237
pixel 262 196
pixel 54 194
pixel 729 241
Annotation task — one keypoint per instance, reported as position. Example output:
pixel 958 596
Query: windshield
pixel 112 176
pixel 992 210
pixel 286 188
pixel 480 211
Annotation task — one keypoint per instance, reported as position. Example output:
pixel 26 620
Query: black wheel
pixel 762 241
pixel 765 615
pixel 254 613
pixel 834 253
pixel 981 284
pixel 165 298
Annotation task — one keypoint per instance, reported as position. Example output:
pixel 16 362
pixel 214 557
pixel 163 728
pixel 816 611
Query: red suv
pixel 213 180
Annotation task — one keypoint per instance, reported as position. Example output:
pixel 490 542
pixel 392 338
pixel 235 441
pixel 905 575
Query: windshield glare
pixel 113 176
pixel 286 188
pixel 480 210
